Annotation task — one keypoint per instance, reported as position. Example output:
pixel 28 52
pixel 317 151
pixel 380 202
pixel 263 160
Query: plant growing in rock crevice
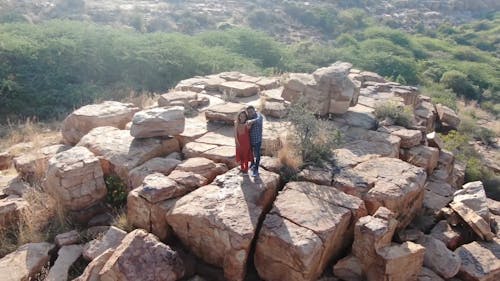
pixel 314 138
pixel 400 115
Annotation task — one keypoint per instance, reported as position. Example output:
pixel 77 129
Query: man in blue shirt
pixel 256 123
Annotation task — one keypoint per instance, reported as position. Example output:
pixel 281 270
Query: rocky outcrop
pixel 140 250
pixel 24 263
pixel 327 90
pixel 308 226
pixel 386 182
pixel 75 177
pixel 86 118
pixel 158 122
pixel 447 116
pixel 479 261
pixel 238 89
pixel 92 270
pixel 218 222
pixel 225 113
pixel 155 165
pixel 182 98
pixel 439 258
pixel 379 259
pixel 67 238
pixel 119 152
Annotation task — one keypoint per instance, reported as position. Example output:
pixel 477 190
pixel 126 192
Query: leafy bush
pixel 459 83
pixel 117 191
pixel 315 139
pixel 401 116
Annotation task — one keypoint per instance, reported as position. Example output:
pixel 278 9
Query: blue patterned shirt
pixel 256 129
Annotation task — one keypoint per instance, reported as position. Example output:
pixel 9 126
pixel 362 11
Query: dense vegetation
pixel 48 69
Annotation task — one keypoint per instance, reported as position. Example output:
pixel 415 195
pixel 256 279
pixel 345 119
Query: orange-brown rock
pixel 33 165
pixel 119 152
pixel 86 118
pixel 480 261
pixel 25 262
pixel 421 156
pixel 218 222
pixel 158 122
pixel 140 250
pixel 387 182
pixel 308 226
pixel 75 178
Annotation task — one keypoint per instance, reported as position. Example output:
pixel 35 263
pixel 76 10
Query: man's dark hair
pixel 250 107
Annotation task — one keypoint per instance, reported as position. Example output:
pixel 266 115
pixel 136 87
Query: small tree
pixel 314 138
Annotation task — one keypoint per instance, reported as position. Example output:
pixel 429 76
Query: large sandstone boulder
pixel 218 222
pixel 308 225
pixel 379 259
pixel 33 165
pixel 239 89
pixel 179 98
pixel 387 182
pixel 24 263
pixel 447 116
pixel 202 166
pixel 67 255
pixel 67 238
pixel 75 178
pixel 439 258
pixel 473 196
pixel 480 261
pixel 421 156
pixel 327 90
pixel 155 165
pixel 225 113
pixel 349 268
pixel 158 122
pixel 119 152
pixel 86 118
pixel 140 250
pixel 437 195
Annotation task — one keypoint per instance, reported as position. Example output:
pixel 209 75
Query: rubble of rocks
pixel 391 205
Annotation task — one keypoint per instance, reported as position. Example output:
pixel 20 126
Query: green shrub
pixel 314 138
pixel 401 116
pixel 117 191
pixel 459 83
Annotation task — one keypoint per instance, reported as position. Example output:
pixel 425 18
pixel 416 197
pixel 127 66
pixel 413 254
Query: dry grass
pixel 30 131
pixel 142 100
pixel 121 221
pixel 289 156
pixel 40 221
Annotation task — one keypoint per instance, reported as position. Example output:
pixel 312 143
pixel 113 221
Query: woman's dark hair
pixel 238 116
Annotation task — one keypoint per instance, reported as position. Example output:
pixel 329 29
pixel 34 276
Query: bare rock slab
pixel 91 272
pixel 119 152
pixel 156 165
pixel 86 118
pixel 428 275
pixel 308 225
pixel 67 238
pixel 110 240
pixel 473 196
pixel 25 262
pixel 439 258
pixel 480 261
pixel 476 222
pixel 218 222
pixel 178 98
pixel 67 255
pixel 225 113
pixel 140 250
pixel 158 122
pixel 75 177
pixel 387 182
pixel 422 156
pixel 239 89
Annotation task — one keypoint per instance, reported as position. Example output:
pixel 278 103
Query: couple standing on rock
pixel 248 138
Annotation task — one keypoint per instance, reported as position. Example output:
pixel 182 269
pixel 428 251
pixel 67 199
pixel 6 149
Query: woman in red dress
pixel 242 139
